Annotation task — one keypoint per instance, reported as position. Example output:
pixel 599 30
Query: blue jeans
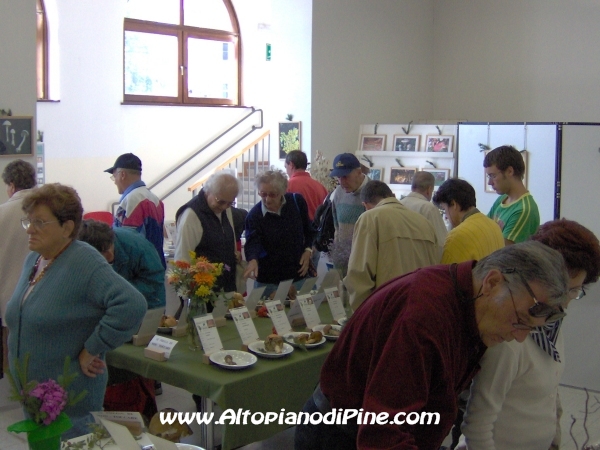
pixel 270 288
pixel 321 436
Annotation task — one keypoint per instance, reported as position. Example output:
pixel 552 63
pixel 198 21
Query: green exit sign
pixel 268 52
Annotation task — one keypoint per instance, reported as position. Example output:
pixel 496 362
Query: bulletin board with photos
pixel 396 152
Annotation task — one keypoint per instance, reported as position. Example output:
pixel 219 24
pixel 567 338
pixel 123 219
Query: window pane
pixel 212 69
pixel 207 14
pixel 165 11
pixel 151 64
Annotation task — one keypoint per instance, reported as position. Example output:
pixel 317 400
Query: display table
pixel 268 386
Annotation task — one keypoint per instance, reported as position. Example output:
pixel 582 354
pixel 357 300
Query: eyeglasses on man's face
pixel 492 176
pixel 538 310
pixel 224 202
pixel 268 194
pixel 38 224
pixel 114 174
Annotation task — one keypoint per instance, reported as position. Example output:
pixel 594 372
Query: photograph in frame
pixel 406 142
pixel 376 173
pixel 440 175
pixel 402 175
pixel 372 142
pixel 16 135
pixel 439 143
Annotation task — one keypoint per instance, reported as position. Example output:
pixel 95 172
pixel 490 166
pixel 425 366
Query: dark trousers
pixel 321 437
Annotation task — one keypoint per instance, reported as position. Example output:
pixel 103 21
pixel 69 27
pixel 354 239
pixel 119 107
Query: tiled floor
pixel 573 401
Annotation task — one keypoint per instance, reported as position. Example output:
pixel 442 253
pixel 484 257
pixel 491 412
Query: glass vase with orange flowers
pixel 195 281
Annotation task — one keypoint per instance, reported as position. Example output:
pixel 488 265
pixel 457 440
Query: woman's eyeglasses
pixel 268 194
pixel 38 224
pixel 538 310
pixel 576 293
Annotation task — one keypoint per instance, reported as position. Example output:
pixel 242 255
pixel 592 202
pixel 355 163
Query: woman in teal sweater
pixel 68 302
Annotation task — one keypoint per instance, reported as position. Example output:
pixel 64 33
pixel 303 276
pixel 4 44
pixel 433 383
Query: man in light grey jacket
pixel 19 177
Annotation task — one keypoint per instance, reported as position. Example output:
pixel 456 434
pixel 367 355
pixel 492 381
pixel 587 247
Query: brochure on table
pixel 209 336
pixel 244 324
pixel 335 303
pixel 278 317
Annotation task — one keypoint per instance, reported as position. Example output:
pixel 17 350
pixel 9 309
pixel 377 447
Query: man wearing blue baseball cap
pixel 347 206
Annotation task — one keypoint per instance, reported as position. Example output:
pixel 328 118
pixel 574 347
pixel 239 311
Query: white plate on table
pixel 342 321
pixel 241 359
pixel 289 338
pixel 258 348
pixel 327 336
pixel 188 446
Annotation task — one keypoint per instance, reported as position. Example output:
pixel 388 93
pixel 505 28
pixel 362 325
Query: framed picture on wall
pixel 486 179
pixel 440 175
pixel 376 173
pixel 372 142
pixel 402 175
pixel 406 142
pixel 16 135
pixel 439 143
pixel 290 138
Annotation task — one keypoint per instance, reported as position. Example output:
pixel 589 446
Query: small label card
pixel 280 320
pixel 244 325
pixel 309 311
pixel 132 420
pixel 120 435
pixel 335 303
pixel 220 307
pixel 162 344
pixel 209 336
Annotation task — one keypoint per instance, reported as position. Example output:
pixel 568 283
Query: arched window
pixel 181 51
pixel 42 52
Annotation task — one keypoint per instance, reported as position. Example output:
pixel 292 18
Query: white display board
pixel 540 141
pixel 580 185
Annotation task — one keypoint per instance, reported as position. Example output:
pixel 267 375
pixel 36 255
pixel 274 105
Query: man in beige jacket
pixel 389 240
pixel 19 177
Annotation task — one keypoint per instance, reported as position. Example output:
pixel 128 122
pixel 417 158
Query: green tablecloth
pixel 268 386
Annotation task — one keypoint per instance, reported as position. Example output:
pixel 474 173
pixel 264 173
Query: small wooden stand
pixel 178 332
pixel 141 340
pixel 299 322
pixel 205 359
pixel 154 354
pixel 220 321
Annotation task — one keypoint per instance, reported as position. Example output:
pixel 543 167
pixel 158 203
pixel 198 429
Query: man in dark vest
pixel 205 225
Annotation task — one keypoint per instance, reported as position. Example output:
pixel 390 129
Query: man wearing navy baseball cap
pixel 138 207
pixel 347 206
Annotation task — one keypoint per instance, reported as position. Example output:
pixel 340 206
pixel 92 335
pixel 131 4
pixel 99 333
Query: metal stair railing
pixel 253 110
pixel 245 163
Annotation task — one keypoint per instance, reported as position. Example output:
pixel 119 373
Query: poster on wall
pixel 15 135
pixel 290 138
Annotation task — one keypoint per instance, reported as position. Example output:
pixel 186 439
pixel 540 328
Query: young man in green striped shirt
pixel 514 211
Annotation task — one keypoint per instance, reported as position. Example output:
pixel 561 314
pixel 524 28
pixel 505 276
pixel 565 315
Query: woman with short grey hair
pixel 278 234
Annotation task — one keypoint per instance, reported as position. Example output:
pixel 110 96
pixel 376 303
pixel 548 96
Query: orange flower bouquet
pixel 195 281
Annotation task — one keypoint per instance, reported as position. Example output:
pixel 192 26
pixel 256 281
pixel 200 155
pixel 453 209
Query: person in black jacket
pixel 278 234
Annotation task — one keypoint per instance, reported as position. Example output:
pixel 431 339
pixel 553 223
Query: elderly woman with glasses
pixel 278 234
pixel 513 401
pixel 69 302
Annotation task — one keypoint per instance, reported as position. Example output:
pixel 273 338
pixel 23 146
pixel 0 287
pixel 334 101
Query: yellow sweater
pixel 475 238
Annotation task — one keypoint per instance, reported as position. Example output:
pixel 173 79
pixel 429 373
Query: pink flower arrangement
pixel 52 400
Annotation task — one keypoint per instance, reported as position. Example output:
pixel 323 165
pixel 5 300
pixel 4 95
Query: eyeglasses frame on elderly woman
pixel 224 202
pixel 538 310
pixel 262 194
pixel 38 224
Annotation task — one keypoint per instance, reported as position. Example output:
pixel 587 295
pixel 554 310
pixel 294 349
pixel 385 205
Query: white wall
pixel 372 63
pixel 515 60
pixel 17 68
pixel 89 127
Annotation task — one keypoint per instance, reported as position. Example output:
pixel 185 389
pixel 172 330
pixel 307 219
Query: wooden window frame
pixel 183 32
pixel 42 85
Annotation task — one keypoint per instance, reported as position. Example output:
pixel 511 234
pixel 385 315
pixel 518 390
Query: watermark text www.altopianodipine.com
pixel 334 417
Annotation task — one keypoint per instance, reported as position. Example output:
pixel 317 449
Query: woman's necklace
pixel 33 280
